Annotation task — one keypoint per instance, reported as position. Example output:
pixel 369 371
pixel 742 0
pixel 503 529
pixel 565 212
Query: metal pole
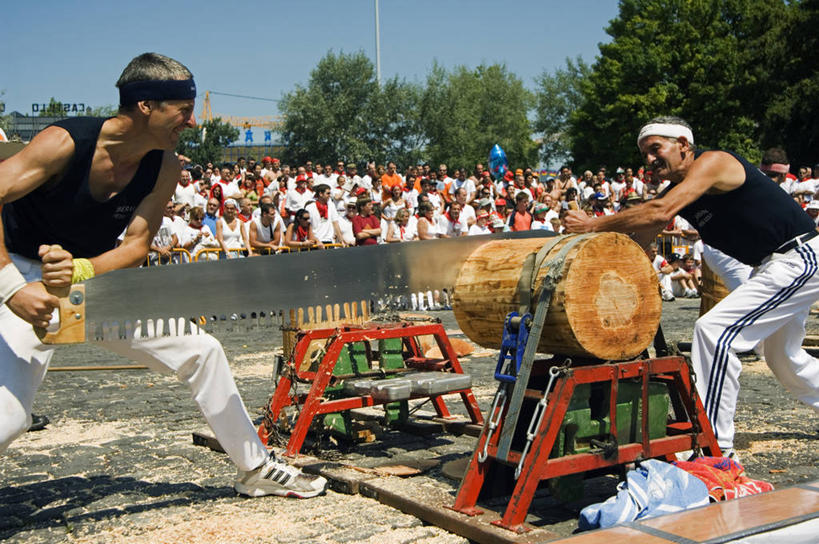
pixel 377 47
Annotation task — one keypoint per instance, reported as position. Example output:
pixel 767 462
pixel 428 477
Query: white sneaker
pixel 275 477
pixel 667 295
pixel 731 454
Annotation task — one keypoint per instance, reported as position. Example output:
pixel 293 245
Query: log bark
pixel 713 289
pixel 606 304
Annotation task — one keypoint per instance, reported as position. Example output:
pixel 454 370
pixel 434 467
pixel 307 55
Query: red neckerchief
pixel 322 209
pixel 402 231
pixel 301 233
pixel 453 221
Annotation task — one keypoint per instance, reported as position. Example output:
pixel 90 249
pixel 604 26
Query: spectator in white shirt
pixel 298 197
pixel 450 224
pixel 481 225
pixel 324 216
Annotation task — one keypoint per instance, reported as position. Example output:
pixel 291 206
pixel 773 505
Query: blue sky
pixel 75 50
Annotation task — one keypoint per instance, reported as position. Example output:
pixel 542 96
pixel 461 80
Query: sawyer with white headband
pixel 168 89
pixel 666 130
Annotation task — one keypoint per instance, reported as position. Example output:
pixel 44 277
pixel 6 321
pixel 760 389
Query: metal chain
pixel 537 415
pixel 495 413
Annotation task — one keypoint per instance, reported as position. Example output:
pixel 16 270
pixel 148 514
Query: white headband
pixel 666 129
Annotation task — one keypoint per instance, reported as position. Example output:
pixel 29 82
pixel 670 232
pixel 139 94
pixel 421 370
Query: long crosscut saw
pixel 184 299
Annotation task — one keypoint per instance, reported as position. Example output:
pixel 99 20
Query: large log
pixel 606 304
pixel 713 289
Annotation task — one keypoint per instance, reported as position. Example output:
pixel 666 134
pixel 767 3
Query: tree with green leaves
pixel 558 94
pixel 672 57
pixel 464 113
pixel 342 113
pixel 205 142
pixel 783 58
pixel 108 110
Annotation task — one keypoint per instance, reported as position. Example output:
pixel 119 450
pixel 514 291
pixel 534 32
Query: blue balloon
pixel 498 164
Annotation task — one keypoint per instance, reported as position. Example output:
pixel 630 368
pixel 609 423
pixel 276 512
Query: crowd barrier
pixel 668 244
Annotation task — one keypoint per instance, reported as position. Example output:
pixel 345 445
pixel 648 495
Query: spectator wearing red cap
pixel 298 197
pixel 481 225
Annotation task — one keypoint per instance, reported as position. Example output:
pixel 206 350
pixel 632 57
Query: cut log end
pixel 606 304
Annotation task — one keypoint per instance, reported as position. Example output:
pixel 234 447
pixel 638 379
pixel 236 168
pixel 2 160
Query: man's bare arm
pixel 715 170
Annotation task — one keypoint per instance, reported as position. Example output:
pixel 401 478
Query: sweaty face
pixel 663 156
pixel 171 117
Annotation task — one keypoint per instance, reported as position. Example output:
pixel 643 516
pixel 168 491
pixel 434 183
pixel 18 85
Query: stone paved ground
pixel 117 463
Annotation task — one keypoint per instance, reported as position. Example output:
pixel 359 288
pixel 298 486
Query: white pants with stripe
pixel 197 360
pixel 772 305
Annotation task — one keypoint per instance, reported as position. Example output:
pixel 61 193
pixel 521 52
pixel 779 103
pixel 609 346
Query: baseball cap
pixel 267 159
pixel 484 202
pixel 540 208
pixel 813 205
pixel 500 202
pixel 508 176
pixel 482 215
pixel 599 196
pixel 519 172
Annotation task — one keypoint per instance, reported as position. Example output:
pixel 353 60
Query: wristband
pixel 83 270
pixel 11 281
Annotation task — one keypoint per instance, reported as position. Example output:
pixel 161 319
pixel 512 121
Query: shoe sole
pixel 257 492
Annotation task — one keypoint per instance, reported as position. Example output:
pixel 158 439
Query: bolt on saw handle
pixel 67 324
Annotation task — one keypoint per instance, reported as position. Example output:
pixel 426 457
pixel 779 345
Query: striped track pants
pixel 772 306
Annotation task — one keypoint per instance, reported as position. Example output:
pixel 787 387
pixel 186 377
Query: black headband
pixel 153 89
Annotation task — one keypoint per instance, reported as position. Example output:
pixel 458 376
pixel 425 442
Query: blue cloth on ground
pixel 653 489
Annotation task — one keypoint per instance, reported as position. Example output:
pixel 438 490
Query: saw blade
pixel 265 286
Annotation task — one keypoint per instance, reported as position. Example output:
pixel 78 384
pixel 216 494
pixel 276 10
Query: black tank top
pixel 751 221
pixel 65 213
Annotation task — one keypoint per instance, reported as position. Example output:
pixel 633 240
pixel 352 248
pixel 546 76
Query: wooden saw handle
pixel 71 329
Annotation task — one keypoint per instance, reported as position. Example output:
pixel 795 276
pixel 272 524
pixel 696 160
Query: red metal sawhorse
pixel 689 429
pixel 313 404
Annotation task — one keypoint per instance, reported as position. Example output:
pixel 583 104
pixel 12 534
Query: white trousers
pixel 771 305
pixel 197 360
pixel 732 272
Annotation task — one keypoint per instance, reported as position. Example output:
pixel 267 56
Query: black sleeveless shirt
pixel 65 213
pixel 751 221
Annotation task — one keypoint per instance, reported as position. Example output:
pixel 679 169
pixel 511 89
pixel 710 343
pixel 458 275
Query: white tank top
pixel 232 237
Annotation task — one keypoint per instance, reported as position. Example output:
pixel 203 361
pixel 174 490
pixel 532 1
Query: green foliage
pixel 342 113
pixel 456 118
pixel 201 150
pixel 108 110
pixel 673 57
pixel 53 109
pixel 466 112
pixel 558 94
pixel 787 51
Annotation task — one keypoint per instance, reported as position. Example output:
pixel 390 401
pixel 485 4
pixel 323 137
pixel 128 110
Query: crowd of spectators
pixel 249 208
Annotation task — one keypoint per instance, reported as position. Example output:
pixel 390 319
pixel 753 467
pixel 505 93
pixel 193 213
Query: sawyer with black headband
pixel 168 89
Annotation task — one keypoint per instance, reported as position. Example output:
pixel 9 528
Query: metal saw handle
pixel 69 325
